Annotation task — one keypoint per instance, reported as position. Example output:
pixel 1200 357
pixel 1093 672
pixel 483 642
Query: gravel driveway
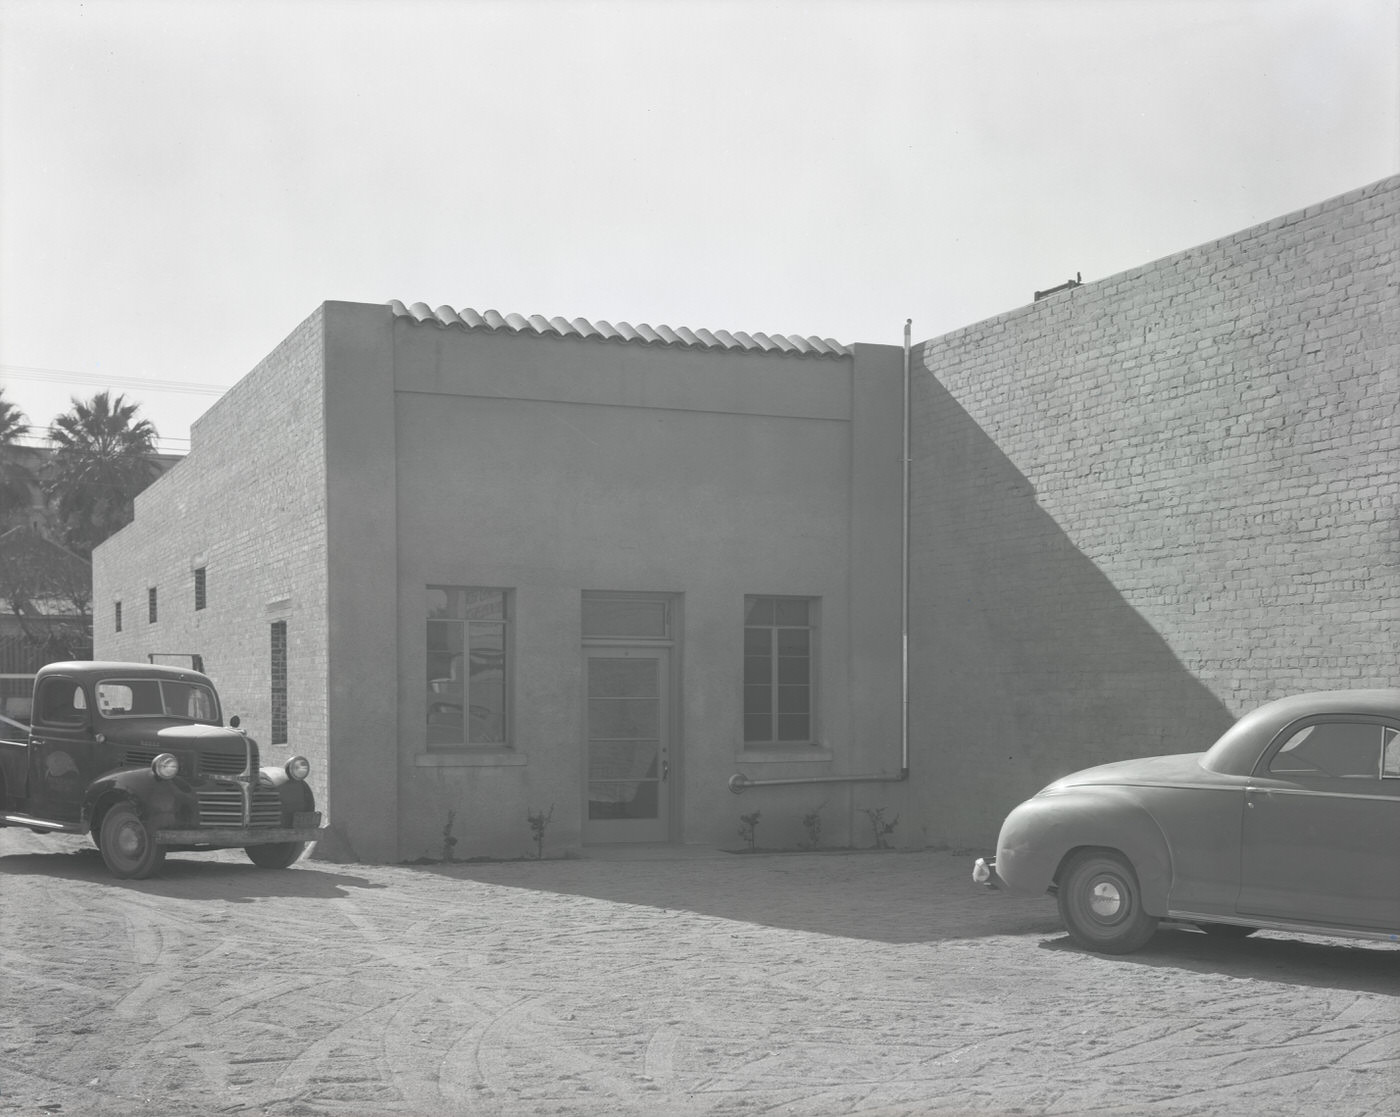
pixel 679 982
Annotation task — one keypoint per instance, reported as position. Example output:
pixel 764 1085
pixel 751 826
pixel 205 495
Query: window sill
pixel 495 758
pixel 797 754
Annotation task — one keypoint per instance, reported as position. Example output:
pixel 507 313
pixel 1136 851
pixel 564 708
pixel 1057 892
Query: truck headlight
pixel 298 767
pixel 165 766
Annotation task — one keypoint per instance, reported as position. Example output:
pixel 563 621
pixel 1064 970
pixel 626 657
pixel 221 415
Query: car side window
pixel 1345 749
pixel 61 702
pixel 1390 753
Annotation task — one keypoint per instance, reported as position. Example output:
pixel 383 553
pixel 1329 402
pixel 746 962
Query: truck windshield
pixel 155 698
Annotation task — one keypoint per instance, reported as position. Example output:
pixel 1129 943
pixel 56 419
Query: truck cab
pixel 137 756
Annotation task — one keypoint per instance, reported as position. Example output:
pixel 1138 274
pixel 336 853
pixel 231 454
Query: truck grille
pixel 224 764
pixel 223 807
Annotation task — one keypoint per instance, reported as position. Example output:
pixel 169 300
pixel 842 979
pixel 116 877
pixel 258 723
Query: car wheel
pixel 1101 903
pixel 1227 930
pixel 275 855
pixel 128 845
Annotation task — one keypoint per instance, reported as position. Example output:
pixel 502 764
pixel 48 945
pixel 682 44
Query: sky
pixel 181 183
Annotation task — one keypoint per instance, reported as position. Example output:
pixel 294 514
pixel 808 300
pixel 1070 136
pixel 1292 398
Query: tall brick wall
pixel 1146 504
pixel 249 504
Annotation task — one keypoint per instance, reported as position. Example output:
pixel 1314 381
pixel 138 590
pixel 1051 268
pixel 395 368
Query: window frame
pixel 774 741
pixel 505 626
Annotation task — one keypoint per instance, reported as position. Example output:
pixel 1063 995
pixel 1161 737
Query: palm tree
pixel 16 477
pixel 102 459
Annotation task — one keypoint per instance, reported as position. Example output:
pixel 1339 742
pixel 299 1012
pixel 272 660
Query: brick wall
pixel 1144 505
pixel 248 504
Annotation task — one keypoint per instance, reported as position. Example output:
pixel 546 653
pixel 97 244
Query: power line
pixel 61 376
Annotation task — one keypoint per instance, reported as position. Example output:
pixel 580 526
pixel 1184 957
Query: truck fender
pixel 164 804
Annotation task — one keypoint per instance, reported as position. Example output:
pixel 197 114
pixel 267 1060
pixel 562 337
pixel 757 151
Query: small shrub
pixel 812 823
pixel 448 841
pixel 539 822
pixel 748 823
pixel 882 828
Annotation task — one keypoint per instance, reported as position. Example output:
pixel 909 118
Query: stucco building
pixel 481 568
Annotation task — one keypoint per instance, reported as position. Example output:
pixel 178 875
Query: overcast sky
pixel 182 183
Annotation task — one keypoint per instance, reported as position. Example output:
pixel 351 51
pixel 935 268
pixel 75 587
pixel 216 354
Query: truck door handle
pixel 665 769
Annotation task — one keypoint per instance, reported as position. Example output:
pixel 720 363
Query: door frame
pixel 669 645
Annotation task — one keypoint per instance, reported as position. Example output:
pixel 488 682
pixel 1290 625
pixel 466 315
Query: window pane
pixel 623 616
pixel 437 602
pixel 792 610
pixel 623 678
pixel 486 684
pixel 794 727
pixel 758 641
pixel 758 700
pixel 793 700
pixel 759 611
pixel 623 717
pixel 794 641
pixel 758 670
pixel 1331 749
pixel 792 669
pixel 758 727
pixel 483 605
pixel 1391 764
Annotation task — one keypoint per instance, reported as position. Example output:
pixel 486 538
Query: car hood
pixel 1179 768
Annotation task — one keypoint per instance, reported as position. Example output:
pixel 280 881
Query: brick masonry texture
pixel 1147 504
pixel 248 504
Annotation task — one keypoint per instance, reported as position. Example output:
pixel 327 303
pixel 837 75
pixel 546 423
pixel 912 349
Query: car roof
pixel 1238 749
pixel 88 669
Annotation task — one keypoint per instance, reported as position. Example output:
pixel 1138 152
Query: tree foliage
pixel 102 458
pixel 16 478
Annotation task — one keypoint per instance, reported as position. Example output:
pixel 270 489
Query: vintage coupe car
pixel 1290 822
pixel 137 756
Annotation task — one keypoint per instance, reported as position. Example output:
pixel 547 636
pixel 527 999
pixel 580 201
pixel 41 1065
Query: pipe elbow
pixel 737 782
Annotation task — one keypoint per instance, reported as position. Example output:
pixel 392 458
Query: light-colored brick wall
pixel 1147 504
pixel 248 503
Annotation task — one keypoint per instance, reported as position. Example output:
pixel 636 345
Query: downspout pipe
pixel 738 782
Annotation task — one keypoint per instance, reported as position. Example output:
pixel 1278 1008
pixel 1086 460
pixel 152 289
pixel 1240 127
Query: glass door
pixel 628 762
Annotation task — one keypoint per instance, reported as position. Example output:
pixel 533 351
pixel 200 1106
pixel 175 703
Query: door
pixel 1319 839
pixel 628 750
pixel 62 750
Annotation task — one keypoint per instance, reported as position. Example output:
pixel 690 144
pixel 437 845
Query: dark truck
pixel 137 756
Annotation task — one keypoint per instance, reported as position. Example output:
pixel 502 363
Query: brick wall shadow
pixel 1026 662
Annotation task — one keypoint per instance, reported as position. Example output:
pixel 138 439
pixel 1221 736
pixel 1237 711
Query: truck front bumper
pixel 235 838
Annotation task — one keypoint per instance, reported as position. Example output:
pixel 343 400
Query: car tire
pixel 1227 930
pixel 129 847
pixel 275 855
pixel 1101 903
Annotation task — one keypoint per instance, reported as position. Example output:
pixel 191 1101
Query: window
pixel 151 605
pixel 1348 749
pixel 60 702
pixel 199 594
pixel 467 667
pixel 1390 753
pixel 279 682
pixel 156 698
pixel 117 615
pixel 778 679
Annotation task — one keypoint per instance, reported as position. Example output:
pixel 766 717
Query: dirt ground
pixel 680 982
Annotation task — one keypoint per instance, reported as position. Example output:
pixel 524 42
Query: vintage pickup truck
pixel 137 756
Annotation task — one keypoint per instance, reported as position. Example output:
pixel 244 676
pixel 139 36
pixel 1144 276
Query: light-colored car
pixel 1290 822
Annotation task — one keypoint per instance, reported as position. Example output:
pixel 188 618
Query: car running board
pixel 40 823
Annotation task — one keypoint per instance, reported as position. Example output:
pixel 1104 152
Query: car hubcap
pixel 130 840
pixel 1106 900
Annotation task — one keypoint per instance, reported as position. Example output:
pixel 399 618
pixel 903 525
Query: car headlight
pixel 298 767
pixel 165 766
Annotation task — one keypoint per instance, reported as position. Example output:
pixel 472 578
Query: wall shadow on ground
pixel 1026 662
pixel 888 897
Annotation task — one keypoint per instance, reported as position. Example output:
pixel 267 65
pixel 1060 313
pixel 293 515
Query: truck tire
pixel 275 855
pixel 128 845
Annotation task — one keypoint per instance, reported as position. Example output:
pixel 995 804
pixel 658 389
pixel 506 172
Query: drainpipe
pixel 739 782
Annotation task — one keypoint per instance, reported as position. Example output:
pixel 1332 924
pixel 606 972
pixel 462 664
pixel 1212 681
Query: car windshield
pixel 147 698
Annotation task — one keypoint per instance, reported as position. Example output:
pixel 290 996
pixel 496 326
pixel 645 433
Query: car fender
pixel 1042 832
pixel 164 804
pixel 296 795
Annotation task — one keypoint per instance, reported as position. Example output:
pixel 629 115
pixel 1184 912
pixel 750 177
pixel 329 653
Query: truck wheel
pixel 1101 903
pixel 275 855
pixel 128 846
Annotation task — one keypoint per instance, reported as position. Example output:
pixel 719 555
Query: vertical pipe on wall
pixel 904 571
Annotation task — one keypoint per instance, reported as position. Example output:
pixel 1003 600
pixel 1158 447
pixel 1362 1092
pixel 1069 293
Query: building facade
pixel 486 570
pixel 479 570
